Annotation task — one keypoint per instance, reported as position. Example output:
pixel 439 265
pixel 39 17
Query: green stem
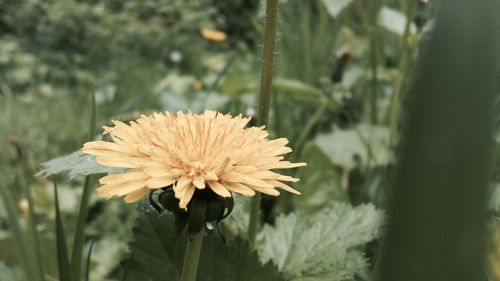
pixel 33 228
pixel 299 144
pixel 79 239
pixel 373 62
pixel 192 258
pixel 266 81
pixel 405 60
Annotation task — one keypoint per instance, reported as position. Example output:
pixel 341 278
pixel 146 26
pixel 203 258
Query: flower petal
pixel 219 189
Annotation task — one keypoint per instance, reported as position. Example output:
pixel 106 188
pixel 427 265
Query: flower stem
pixel 192 257
pixel 266 81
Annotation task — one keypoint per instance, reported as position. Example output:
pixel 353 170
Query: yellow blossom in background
pixel 213 35
pixel 188 151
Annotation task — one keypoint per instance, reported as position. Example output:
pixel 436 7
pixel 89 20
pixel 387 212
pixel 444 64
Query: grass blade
pixel 87 265
pixel 21 240
pixel 38 259
pixel 62 250
pixel 79 239
pixel 438 212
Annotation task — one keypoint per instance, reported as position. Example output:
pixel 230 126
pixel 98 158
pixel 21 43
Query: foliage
pixel 326 246
pixel 156 255
pixel 144 56
pixel 77 163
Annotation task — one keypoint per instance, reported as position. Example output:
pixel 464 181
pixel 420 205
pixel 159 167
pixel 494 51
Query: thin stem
pixel 266 81
pixel 373 62
pixel 192 257
pixel 79 238
pixel 405 61
pixel 33 228
pixel 266 78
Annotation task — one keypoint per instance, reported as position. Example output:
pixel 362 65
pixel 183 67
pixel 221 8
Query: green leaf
pixel 300 91
pixel 27 257
pixel 334 7
pixel 7 273
pixel 326 246
pixel 494 201
pixel 11 252
pixel 361 146
pixel 155 255
pixel 62 249
pixel 394 21
pixel 320 180
pixel 76 163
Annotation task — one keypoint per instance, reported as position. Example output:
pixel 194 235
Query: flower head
pixel 190 152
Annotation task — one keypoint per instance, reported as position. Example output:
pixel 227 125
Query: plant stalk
pixel 373 61
pixel 192 258
pixel 266 81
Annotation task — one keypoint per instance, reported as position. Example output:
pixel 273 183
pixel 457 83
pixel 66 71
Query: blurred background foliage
pixel 340 78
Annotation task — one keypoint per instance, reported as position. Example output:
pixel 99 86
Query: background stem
pixel 266 81
pixel 192 257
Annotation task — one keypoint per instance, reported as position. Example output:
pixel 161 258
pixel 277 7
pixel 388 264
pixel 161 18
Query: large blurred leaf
pixel 320 180
pixel 76 163
pixel 334 7
pixel 494 202
pixel 363 146
pixel 326 246
pixel 157 256
pixel 10 253
pixel 394 21
pixel 7 273
pixel 300 91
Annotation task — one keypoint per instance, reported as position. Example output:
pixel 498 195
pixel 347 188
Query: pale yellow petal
pixel 136 195
pixel 160 182
pixel 158 172
pixel 199 182
pixel 123 177
pixel 268 191
pixel 219 189
pixel 181 185
pixel 186 196
pixel 283 186
pixel 239 188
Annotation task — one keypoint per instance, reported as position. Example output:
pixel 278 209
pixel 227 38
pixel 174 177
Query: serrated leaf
pixel 363 145
pixel 323 247
pixel 156 255
pixel 334 7
pixel 77 164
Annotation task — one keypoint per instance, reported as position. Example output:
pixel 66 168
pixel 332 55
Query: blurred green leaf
pixel 324 247
pixel 62 249
pixel 155 255
pixel 320 180
pixel 300 91
pixel 494 201
pixel 394 21
pixel 334 7
pixel 10 253
pixel 362 146
pixel 7 273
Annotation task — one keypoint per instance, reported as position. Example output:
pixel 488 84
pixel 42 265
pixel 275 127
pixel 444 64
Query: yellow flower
pixel 191 152
pixel 213 35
